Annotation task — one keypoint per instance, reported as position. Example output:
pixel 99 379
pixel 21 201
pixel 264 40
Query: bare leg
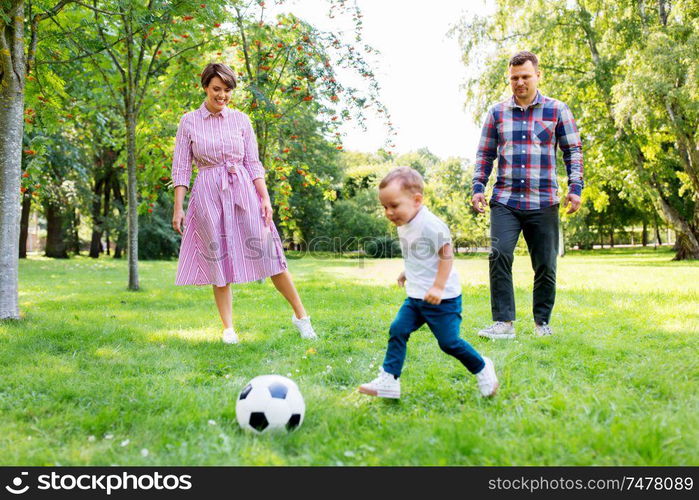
pixel 224 302
pixel 285 285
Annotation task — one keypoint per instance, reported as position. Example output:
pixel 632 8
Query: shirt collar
pixel 205 113
pixel 419 215
pixel 538 99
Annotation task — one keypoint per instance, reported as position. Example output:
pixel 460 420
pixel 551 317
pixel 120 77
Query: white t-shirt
pixel 420 241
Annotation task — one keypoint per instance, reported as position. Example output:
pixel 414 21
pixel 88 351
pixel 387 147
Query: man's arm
pixel 485 156
pixel 571 145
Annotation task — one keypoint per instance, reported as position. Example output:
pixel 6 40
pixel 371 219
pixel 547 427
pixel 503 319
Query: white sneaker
pixel 304 326
pixel 487 380
pixel 498 330
pixel 383 386
pixel 543 330
pixel 229 336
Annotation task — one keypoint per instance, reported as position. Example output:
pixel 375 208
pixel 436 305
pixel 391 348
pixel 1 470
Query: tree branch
pixel 107 47
pixel 239 21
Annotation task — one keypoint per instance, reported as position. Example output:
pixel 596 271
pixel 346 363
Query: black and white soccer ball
pixel 269 403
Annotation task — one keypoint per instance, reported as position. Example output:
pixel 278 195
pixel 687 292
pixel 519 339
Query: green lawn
pixel 98 375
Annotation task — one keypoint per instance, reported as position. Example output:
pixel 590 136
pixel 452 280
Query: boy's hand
pixel 401 279
pixel 434 295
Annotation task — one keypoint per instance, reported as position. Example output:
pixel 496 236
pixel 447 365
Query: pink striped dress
pixel 225 239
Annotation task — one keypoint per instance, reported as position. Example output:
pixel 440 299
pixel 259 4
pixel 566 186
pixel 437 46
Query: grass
pixel 95 374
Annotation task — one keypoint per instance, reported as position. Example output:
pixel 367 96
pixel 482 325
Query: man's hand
pixel 434 295
pixel 478 202
pixel 574 201
pixel 401 279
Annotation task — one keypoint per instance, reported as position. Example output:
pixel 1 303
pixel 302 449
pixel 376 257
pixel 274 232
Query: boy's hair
pixel 409 178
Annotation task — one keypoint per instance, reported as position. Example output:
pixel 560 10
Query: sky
pixel 419 70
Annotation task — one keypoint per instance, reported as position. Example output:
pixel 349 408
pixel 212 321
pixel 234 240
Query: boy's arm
pixel 401 279
pixel 446 261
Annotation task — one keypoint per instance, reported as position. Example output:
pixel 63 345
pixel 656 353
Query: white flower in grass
pixel 288 375
pixel 125 442
pixel 91 438
pixel 144 452
pixel 349 453
pixel 29 438
pixel 212 422
pixel 228 375
pixel 108 436
pixel 349 360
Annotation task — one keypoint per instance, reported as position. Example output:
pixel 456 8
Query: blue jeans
pixel 444 320
pixel 540 229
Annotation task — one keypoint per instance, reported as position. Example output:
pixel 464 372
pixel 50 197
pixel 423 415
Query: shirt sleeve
pixel 486 154
pixel 251 158
pixel 182 157
pixel 571 145
pixel 437 234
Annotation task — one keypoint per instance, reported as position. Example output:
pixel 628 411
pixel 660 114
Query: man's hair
pixel 409 178
pixel 522 57
pixel 225 73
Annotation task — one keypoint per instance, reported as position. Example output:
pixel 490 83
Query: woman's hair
pixel 225 73
pixel 409 178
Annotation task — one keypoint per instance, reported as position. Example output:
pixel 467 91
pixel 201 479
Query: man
pixel 522 133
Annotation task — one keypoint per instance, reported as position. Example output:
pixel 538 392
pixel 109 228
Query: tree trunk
pixel 685 249
pixel 74 231
pixel 24 224
pixel 687 240
pixel 561 241
pixel 644 234
pixel 12 72
pixel 611 238
pixel 55 232
pixel 96 241
pixel 119 200
pixel 132 197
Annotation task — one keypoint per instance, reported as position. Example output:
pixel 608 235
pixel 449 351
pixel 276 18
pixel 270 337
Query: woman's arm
pixel 178 211
pixel 265 203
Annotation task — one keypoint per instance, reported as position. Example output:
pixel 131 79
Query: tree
pixel 595 56
pixel 16 61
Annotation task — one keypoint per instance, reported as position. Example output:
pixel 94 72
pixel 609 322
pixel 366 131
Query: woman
pixel 227 234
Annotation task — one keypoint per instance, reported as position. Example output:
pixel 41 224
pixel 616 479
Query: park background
pixel 107 362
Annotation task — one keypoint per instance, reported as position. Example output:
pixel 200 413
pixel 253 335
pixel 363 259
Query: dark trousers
pixel 444 320
pixel 540 228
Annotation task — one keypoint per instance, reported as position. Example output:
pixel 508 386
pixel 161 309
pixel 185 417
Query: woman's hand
pixel 266 207
pixel 178 220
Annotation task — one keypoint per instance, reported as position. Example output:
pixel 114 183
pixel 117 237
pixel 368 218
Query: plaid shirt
pixel 524 143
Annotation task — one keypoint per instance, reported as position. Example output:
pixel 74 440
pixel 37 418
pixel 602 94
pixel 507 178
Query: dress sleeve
pixel 182 157
pixel 251 158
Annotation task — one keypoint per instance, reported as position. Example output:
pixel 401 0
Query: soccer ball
pixel 269 403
